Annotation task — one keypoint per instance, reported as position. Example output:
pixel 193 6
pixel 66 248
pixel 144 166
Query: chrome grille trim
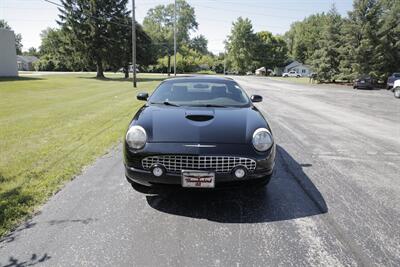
pixel 219 164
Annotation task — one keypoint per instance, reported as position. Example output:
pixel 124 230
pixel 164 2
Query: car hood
pixel 199 125
pixel 392 79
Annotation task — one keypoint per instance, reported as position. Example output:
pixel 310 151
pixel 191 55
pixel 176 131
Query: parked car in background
pixel 390 81
pixel 364 82
pixel 291 74
pixel 130 69
pixel 396 88
pixel 231 72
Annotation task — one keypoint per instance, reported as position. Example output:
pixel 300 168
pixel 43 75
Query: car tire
pixel 397 93
pixel 354 87
pixel 388 87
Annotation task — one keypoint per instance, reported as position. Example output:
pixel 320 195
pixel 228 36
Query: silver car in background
pixel 396 88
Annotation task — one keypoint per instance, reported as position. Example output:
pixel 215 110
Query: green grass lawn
pixel 301 80
pixel 51 127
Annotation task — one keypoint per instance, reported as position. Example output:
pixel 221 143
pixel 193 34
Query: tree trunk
pixel 126 72
pixel 100 71
pixel 169 65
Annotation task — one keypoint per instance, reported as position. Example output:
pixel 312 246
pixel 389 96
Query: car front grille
pixel 219 164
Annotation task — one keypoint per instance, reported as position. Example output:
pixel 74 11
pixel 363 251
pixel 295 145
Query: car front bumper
pixel 135 172
pixel 146 178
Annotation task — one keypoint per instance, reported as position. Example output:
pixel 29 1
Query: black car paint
pixel 364 82
pixel 162 122
pixel 169 129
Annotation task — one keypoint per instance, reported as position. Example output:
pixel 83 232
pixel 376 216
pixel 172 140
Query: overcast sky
pixel 30 17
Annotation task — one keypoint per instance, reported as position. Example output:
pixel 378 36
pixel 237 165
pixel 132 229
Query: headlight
pixel 262 139
pixel 136 137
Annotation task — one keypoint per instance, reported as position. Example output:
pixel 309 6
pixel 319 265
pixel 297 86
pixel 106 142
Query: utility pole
pixel 225 63
pixel 133 44
pixel 175 38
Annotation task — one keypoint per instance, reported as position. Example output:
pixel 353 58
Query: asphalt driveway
pixel 334 199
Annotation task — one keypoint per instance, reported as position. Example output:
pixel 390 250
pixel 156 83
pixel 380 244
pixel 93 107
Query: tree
pixel 159 25
pixel 271 50
pixel 241 45
pixel 303 37
pixel 122 53
pixel 389 36
pixel 91 27
pixel 361 46
pixel 325 60
pixel 57 53
pixel 32 51
pixel 199 43
pixel 18 37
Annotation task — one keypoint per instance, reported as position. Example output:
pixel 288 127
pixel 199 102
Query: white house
pixel 8 62
pixel 298 67
pixel 26 62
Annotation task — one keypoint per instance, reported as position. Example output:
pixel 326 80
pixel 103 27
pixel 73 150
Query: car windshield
pixel 200 92
pixel 397 75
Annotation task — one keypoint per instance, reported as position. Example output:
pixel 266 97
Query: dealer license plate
pixel 198 179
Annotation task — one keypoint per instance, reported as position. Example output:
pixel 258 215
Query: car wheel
pixel 397 93
pixel 354 87
pixel 388 87
pixel 298 76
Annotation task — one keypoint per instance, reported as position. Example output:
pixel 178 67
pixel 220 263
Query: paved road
pixel 334 199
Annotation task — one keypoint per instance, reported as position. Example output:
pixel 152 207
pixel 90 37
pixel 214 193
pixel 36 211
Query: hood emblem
pixel 199 145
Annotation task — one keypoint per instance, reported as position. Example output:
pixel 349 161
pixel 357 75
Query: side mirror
pixel 142 96
pixel 256 98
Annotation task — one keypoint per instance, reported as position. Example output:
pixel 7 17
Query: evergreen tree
pixel 362 50
pixel 390 37
pixel 92 26
pixel 325 60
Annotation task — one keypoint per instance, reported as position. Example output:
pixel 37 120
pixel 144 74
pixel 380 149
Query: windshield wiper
pixel 167 103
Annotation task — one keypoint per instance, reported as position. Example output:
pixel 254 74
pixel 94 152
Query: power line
pixel 91 16
pixel 241 12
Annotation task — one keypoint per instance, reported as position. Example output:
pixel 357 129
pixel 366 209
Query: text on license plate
pixel 198 179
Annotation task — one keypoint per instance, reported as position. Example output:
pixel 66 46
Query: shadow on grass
pixel 33 260
pixel 20 78
pixel 140 79
pixel 13 206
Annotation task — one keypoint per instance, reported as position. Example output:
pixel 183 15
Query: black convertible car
pixel 199 132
